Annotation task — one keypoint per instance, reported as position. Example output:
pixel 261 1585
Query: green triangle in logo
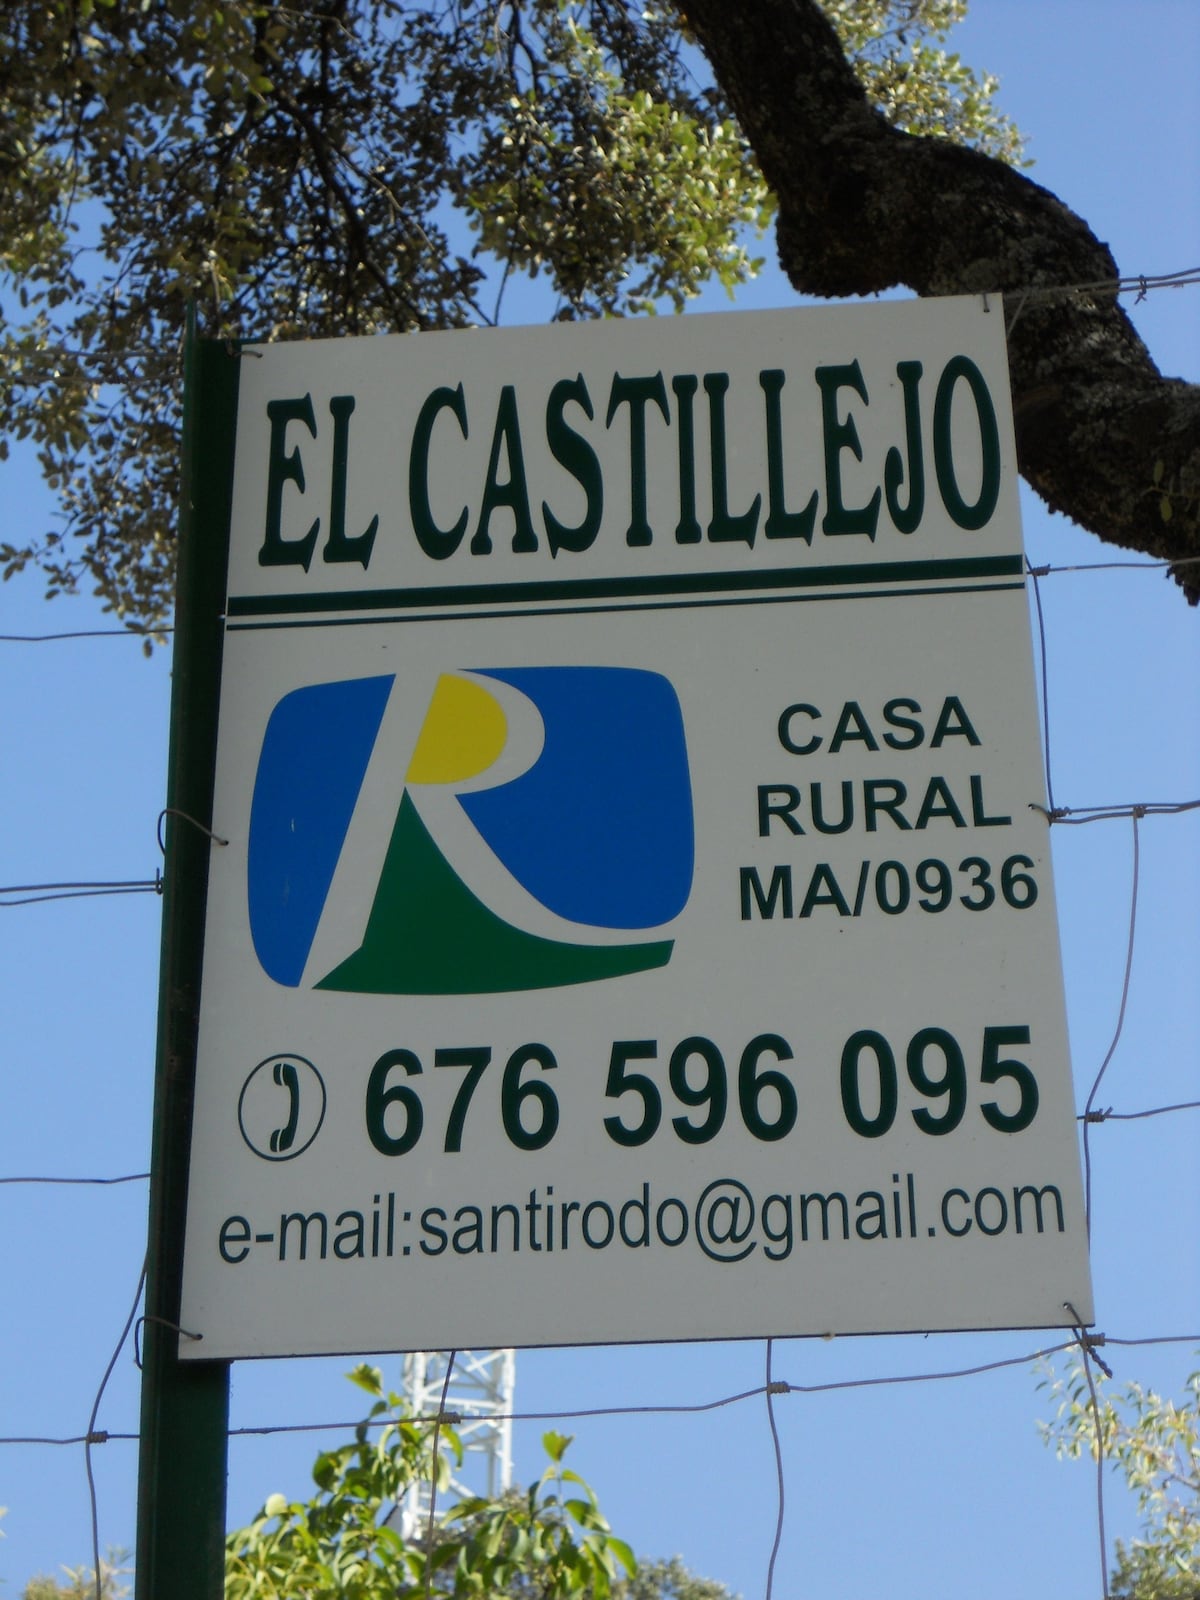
pixel 429 934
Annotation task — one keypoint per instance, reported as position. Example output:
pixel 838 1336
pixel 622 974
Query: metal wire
pixel 433 1476
pixel 91 1428
pixel 1076 816
pixel 778 1387
pixel 1085 1345
pixel 85 633
pixel 1041 622
pixel 1167 563
pixel 770 1394
pixel 1087 1148
pixel 128 1177
pixel 37 893
pixel 1135 1116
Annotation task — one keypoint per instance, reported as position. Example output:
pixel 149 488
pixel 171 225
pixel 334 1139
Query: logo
pixel 544 815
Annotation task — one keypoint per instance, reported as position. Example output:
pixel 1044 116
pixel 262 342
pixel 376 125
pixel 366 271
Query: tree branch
pixel 359 245
pixel 1101 434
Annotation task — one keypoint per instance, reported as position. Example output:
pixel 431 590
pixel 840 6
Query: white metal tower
pixel 481 1393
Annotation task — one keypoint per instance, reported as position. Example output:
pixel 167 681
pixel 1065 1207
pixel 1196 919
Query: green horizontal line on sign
pixel 475 594
pixel 940 590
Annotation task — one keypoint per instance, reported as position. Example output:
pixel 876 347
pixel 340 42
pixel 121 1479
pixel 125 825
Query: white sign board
pixel 635 924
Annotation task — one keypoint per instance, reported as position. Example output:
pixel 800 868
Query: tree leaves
pixel 350 167
pixel 1155 1443
pixel 343 1544
pixel 921 88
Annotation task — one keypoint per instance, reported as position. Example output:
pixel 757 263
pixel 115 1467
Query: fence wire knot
pixel 96 1436
pixel 778 1386
pixel 1051 813
pixel 1098 1116
pixel 1089 1342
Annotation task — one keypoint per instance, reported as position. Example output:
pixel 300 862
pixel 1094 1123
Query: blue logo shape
pixel 598 830
pixel 314 758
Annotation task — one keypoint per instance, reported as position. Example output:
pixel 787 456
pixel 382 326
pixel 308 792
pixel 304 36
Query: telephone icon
pixel 274 1129
pixel 282 1138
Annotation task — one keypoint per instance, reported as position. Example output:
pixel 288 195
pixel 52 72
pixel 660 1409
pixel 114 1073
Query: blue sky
pixel 931 1488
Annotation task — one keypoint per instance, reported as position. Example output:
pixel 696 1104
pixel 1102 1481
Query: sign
pixel 636 921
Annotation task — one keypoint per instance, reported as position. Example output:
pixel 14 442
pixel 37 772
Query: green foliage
pixel 351 167
pixel 1155 1443
pixel 669 1580
pixel 551 1543
pixel 922 89
pixel 80 1582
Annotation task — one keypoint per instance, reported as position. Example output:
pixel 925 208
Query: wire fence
pixel 774 1390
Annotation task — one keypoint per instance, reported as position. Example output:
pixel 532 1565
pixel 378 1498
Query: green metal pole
pixel 185 1406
